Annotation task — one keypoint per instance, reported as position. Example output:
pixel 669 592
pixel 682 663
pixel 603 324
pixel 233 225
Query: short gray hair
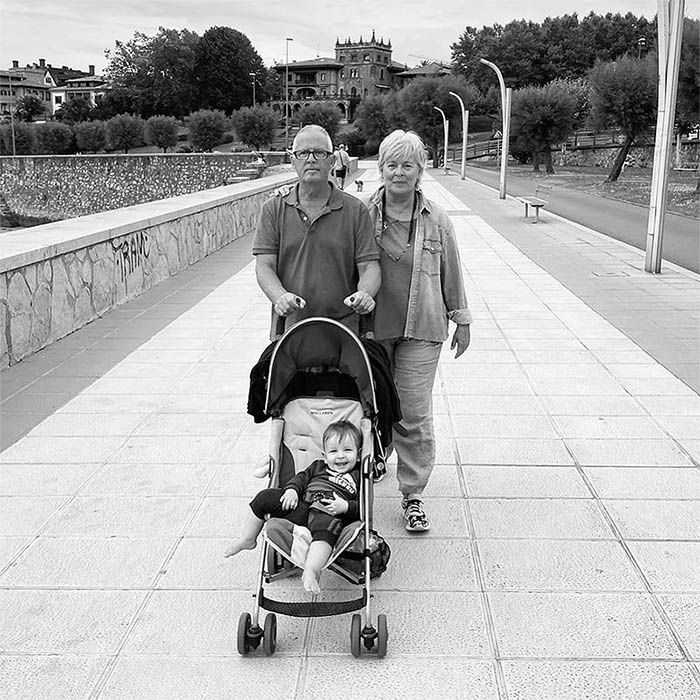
pixel 402 145
pixel 313 129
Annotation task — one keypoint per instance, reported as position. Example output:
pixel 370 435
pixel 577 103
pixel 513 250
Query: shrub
pixel 25 139
pixel 124 131
pixel 207 128
pixel 90 136
pixel 162 132
pixel 54 138
pixel 255 126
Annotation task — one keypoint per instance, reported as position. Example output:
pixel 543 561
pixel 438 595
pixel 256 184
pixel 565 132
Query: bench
pixel 535 203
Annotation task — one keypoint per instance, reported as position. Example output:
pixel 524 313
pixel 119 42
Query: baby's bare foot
pixel 239 546
pixel 309 581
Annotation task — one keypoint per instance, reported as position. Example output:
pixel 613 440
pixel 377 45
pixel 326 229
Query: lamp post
pixel 286 94
pixel 12 116
pixel 506 97
pixel 446 127
pixel 252 78
pixel 465 132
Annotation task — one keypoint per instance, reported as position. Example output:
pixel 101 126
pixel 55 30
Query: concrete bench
pixel 535 203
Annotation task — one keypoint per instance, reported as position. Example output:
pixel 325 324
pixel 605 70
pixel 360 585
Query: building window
pixel 58 99
pixel 353 92
pixel 353 57
pixel 323 77
pixel 342 73
pixel 372 71
pixel 381 74
pixel 365 57
pixel 341 92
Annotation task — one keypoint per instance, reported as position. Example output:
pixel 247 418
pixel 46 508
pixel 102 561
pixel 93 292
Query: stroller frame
pixel 275 564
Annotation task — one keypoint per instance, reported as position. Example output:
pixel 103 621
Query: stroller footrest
pixel 312 609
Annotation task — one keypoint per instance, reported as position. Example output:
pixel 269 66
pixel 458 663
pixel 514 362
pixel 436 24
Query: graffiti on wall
pixel 131 253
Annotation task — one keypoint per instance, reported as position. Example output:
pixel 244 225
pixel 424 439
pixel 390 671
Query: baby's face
pixel 340 453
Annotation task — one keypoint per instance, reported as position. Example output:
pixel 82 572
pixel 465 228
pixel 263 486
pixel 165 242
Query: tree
pixel 326 115
pixel 54 138
pixel 118 100
pixel 623 94
pixel 371 118
pixel 90 136
pixel 78 109
pixel 29 106
pixel 158 72
pixel 207 128
pixel 255 126
pixel 687 105
pixel 541 116
pixel 224 59
pixel 24 138
pixel 419 99
pixel 124 131
pixel 162 132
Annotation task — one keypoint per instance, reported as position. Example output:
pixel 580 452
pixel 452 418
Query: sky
pixel 77 33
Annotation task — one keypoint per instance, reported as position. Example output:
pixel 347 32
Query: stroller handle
pixel 366 332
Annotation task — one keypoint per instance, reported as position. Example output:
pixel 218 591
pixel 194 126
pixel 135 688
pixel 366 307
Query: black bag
pixel 353 558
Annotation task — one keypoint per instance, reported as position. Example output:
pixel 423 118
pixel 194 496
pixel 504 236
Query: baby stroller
pixel 319 373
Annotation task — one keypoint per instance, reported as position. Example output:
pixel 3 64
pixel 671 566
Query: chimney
pixel 91 69
pixel 42 63
pixel 15 64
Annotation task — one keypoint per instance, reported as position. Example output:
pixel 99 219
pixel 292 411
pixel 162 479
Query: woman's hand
pixel 461 339
pixel 335 506
pixel 288 303
pixel 289 499
pixel 360 302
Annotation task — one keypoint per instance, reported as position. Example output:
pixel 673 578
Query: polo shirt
pixel 317 259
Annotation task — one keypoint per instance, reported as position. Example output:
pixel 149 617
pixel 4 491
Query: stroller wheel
pixel 270 634
pixel 243 629
pixel 382 636
pixel 356 635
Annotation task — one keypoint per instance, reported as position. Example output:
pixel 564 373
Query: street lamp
pixel 506 97
pixel 252 77
pixel 641 46
pixel 12 116
pixel 446 127
pixel 286 94
pixel 465 131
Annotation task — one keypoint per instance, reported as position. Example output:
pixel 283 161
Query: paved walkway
pixel 562 562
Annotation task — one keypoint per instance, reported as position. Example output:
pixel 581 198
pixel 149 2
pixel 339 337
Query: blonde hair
pixel 313 129
pixel 402 145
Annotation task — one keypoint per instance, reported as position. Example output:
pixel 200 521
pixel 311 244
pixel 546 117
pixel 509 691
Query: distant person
pixel 342 165
pixel 315 249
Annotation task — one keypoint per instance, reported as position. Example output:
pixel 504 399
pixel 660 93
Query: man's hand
pixel 289 499
pixel 335 506
pixel 461 339
pixel 360 302
pixel 288 303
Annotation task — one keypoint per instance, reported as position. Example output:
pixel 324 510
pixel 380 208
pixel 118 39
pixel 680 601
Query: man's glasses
pixel 315 153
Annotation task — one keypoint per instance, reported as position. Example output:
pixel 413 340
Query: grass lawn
pixel 633 185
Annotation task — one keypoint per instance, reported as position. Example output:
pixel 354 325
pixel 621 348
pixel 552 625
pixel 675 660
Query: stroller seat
pixel 304 420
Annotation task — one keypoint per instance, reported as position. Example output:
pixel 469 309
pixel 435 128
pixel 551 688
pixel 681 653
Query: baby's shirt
pixel 318 476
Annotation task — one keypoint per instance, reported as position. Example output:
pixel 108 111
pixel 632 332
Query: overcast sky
pixel 76 33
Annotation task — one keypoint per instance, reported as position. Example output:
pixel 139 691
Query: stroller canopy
pixel 319 344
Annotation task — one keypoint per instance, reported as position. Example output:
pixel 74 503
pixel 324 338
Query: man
pixel 314 248
pixel 342 164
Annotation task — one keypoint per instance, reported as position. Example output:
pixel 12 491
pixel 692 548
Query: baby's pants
pixel 323 527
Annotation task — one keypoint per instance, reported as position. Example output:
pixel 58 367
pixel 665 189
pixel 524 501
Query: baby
pixel 323 497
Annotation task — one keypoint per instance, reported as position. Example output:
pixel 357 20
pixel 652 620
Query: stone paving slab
pixel 565 502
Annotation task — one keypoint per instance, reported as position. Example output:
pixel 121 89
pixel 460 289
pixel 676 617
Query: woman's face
pixel 400 176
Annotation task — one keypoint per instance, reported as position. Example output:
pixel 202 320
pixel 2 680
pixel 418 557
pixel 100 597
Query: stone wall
pixel 62 187
pixel 60 276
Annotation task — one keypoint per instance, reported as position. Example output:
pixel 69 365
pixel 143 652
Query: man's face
pixel 310 170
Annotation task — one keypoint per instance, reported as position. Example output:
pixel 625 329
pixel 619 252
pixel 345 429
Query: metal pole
pixel 670 23
pixel 286 95
pixel 506 143
pixel 465 131
pixel 446 128
pixel 505 125
pixel 252 76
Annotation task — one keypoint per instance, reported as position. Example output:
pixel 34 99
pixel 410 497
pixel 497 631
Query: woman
pixel 422 288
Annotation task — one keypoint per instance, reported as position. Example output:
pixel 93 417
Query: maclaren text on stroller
pixel 319 373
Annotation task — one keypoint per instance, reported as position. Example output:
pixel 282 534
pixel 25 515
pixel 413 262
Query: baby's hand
pixel 289 499
pixel 336 505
